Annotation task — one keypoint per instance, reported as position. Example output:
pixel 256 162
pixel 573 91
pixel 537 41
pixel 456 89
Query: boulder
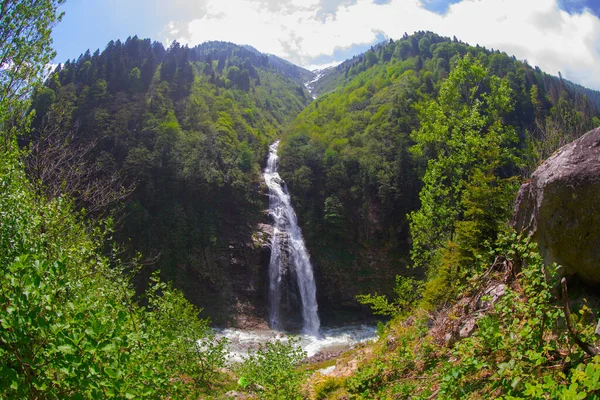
pixel 560 207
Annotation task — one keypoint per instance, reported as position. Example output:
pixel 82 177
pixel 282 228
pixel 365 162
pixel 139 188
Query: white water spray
pixel 288 240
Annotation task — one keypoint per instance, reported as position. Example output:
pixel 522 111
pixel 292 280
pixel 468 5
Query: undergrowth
pixel 519 346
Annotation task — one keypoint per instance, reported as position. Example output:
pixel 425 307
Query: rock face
pixel 560 207
pixel 228 279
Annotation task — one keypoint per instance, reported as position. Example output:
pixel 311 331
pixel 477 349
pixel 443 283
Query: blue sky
pixel 91 24
pixel 557 35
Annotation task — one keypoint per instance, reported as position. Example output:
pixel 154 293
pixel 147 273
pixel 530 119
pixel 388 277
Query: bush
pixel 408 291
pixel 271 370
pixel 71 327
pixel 325 388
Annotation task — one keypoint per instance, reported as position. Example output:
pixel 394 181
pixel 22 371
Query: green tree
pixel 246 157
pixel 403 49
pixel 43 101
pixel 243 80
pixel 136 84
pixel 463 136
pixel 334 212
pixel 97 94
pixel 424 45
pixel 25 50
pixel 70 324
pixel 232 73
pixel 370 58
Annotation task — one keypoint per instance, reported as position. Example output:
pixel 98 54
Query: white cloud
pixel 320 67
pixel 536 30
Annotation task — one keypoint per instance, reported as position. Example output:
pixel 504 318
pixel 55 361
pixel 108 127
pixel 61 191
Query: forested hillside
pixel 416 159
pixel 71 325
pixel 175 138
pixel 353 169
pixel 403 172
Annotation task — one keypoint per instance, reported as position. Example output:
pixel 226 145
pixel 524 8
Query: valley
pixel 169 215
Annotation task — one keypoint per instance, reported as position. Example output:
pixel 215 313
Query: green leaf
pixel 515 382
pixel 94 369
pixel 66 349
pixel 243 382
pixel 111 372
pixel 109 347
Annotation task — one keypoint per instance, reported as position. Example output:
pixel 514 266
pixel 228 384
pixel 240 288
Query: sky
pixel 556 35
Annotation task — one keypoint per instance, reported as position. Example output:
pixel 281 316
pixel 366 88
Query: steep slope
pixel 347 161
pixel 72 326
pixel 189 129
pixel 337 76
pixel 298 74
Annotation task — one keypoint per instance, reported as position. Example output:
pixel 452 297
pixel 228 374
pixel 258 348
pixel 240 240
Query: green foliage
pixel 334 212
pixel 192 147
pixel 325 388
pixel 467 144
pixel 519 347
pixel 523 331
pixel 366 382
pixel 473 117
pixel 407 293
pixel 346 161
pixel 379 304
pixel 136 84
pixel 272 370
pixel 25 51
pixel 190 126
pixel 187 343
pixel 70 325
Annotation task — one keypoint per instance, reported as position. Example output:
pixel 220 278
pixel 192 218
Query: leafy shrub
pixel 71 327
pixel 407 290
pixel 368 379
pixel 519 349
pixel 324 388
pixel 271 370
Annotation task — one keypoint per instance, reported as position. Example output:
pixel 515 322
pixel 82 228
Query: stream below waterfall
pixel 331 339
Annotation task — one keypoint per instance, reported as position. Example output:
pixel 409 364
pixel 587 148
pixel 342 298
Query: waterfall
pixel 288 251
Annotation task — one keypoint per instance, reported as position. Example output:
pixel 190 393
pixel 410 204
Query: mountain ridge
pixel 132 196
pixel 334 71
pixel 228 102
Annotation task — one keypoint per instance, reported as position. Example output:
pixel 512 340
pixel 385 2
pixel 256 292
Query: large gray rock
pixel 560 207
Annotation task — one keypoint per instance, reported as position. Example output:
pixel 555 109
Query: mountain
pixel 139 162
pixel 348 161
pixel 188 129
pixel 402 172
pixel 334 77
pixel 299 74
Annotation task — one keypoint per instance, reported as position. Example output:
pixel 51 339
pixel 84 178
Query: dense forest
pixel 175 138
pixel 355 158
pixel 186 130
pixel 131 207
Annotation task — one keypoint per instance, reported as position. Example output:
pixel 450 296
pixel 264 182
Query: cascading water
pixel 288 251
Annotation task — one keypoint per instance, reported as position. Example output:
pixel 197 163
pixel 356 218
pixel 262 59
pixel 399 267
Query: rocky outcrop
pixel 248 263
pixel 228 278
pixel 560 207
